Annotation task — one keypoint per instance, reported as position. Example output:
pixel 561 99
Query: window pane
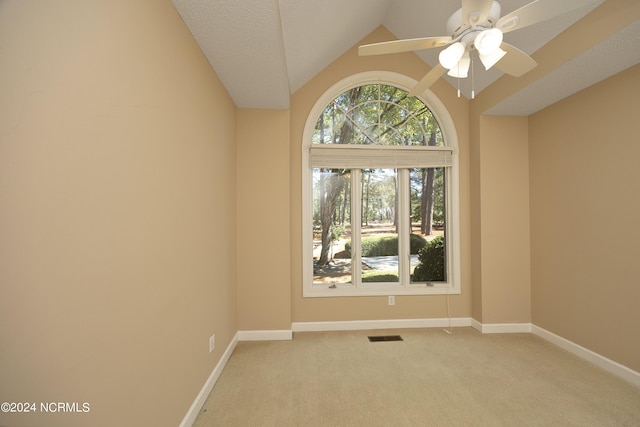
pixel 379 236
pixel 428 227
pixel 331 225
pixel 377 114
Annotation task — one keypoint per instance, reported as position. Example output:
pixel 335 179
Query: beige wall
pixel 585 207
pixel 117 212
pixel 495 298
pixel 504 281
pixel 474 208
pixel 370 308
pixel 264 260
pixel 128 192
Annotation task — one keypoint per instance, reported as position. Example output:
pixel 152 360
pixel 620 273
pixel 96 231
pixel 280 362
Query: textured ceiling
pixel 615 54
pixel 264 50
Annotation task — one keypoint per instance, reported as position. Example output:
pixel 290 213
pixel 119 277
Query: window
pixel 380 209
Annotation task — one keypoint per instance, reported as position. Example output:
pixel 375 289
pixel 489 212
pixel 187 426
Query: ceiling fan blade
pixel 396 46
pixel 515 62
pixel 429 79
pixel 475 11
pixel 537 11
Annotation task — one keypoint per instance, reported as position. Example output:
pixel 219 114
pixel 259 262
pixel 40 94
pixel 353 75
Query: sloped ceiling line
pixel 582 55
pixel 265 50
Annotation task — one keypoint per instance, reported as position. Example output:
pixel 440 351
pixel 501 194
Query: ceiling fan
pixel 478 28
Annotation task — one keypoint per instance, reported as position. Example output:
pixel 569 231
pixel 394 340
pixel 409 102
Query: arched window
pixel 381 192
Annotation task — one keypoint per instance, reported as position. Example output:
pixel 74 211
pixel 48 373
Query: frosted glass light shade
pixel 451 55
pixel 488 41
pixel 492 58
pixel 461 69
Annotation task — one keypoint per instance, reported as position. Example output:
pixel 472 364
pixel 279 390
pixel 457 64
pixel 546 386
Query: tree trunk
pixel 366 207
pixel 426 204
pixel 335 186
pixel 332 188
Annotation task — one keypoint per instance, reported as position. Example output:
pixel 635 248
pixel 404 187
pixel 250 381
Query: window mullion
pixel 356 227
pixel 404 227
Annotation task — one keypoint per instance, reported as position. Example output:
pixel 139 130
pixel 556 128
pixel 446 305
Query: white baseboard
pixel 267 335
pixel 361 325
pixel 197 404
pixel 501 328
pixel 607 364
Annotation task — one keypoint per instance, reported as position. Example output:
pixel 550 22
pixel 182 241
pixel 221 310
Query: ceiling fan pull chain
pixel 473 92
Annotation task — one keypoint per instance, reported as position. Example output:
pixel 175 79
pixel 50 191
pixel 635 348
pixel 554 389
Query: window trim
pixel 450 137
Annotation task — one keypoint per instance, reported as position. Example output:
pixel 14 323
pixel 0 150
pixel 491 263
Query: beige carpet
pixel 429 379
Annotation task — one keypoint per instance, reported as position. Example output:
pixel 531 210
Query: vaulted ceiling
pixel 265 50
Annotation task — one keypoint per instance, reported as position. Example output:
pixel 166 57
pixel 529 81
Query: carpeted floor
pixel 430 379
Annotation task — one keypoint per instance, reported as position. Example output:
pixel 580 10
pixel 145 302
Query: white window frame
pixel 442 116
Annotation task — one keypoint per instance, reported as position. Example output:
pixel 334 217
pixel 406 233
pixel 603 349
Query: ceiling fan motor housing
pixel 457 28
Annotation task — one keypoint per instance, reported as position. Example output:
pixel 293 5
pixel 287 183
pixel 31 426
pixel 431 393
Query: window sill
pixel 323 291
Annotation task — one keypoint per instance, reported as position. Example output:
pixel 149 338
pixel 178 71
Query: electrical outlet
pixel 212 343
pixel 392 300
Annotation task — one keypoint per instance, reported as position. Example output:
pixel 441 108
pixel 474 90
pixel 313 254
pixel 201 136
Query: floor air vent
pixel 381 338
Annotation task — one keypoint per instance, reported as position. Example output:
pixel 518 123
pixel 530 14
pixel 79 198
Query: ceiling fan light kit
pixel 488 41
pixel 478 28
pixel 490 59
pixel 450 56
pixel 461 69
